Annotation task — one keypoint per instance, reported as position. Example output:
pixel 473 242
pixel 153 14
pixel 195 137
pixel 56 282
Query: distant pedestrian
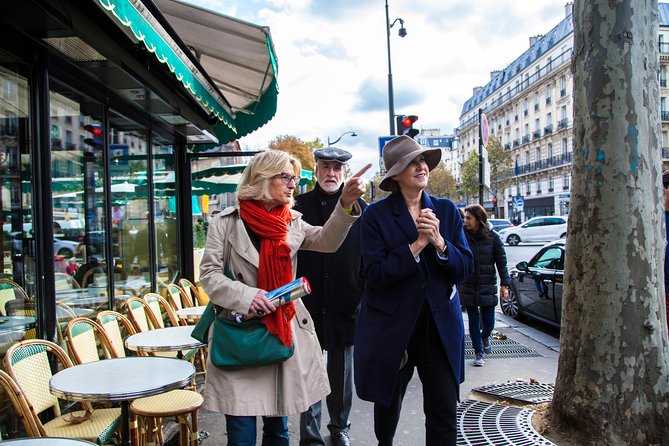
pixel 336 287
pixel 478 292
pixel 414 252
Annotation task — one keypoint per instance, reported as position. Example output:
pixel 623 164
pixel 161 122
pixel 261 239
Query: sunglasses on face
pixel 286 178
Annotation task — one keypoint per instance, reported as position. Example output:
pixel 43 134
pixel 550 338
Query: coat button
pixel 240 276
pixel 323 203
pixel 304 321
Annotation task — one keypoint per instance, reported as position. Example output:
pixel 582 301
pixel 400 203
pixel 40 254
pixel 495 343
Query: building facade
pixel 529 108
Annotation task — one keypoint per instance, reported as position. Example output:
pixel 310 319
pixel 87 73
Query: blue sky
pixel 333 65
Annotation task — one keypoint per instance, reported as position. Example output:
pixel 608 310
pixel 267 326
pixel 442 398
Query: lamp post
pixel 391 100
pixel 340 137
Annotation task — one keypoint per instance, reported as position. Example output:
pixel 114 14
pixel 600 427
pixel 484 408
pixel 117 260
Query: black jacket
pixel 336 279
pixel 480 289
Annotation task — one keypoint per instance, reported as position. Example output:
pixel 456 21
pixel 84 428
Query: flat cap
pixel 332 154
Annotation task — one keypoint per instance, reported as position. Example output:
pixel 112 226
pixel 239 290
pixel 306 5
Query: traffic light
pixel 96 132
pixel 405 125
pixel 494 201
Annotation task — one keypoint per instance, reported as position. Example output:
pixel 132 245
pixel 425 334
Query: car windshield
pixel 550 258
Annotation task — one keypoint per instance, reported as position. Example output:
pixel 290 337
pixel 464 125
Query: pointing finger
pixel 362 171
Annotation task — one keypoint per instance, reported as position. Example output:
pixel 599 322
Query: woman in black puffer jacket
pixel 478 293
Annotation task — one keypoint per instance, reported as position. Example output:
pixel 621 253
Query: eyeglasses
pixel 286 178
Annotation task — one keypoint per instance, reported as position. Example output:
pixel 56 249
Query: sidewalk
pixel 411 428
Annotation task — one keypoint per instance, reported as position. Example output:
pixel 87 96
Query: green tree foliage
pixel 501 168
pixel 442 183
pixel 469 176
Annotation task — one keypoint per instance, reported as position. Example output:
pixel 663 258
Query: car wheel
pixel 64 252
pixel 511 305
pixel 513 240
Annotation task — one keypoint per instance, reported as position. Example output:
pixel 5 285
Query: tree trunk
pixel 613 373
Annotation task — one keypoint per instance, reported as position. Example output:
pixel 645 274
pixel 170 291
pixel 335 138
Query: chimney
pixel 535 39
pixel 568 9
pixel 476 90
pixel 493 74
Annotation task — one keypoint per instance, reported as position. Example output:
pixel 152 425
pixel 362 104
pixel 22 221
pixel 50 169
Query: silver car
pixel 537 229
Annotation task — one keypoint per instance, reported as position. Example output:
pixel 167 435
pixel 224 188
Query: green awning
pixel 238 57
pixel 145 28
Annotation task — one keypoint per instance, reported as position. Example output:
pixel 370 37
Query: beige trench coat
pixel 281 389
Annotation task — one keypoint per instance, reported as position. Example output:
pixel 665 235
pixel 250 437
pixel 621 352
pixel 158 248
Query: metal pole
pixel 480 161
pixel 391 100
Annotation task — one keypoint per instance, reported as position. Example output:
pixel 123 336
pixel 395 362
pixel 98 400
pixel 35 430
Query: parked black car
pixel 536 286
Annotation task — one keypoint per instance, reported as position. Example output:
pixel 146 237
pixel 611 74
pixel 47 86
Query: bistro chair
pixel 23 307
pixel 178 403
pixel 159 307
pixel 86 339
pixel 137 312
pixel 10 290
pixel 177 297
pixel 115 325
pixel 193 292
pixel 65 282
pixel 20 404
pixel 28 363
pixel 64 314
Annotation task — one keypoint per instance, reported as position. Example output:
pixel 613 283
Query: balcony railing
pixel 665 115
pixel 563 92
pixel 562 124
pixel 536 107
pixel 554 161
pixel 526 139
pixel 548 101
pixel 507 146
pixel 665 152
pixel 516 142
pixel 548 129
pixel 536 134
pixel 663 82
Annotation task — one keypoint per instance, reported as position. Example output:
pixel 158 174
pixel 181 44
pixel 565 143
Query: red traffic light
pixel 96 130
pixel 405 125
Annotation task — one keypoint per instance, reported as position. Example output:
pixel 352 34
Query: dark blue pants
pixel 242 431
pixel 440 391
pixel 481 324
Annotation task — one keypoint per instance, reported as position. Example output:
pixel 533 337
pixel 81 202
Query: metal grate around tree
pixel 481 423
pixel 505 348
pixel 527 392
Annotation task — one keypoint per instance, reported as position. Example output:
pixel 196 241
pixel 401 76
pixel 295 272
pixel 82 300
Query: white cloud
pixel 333 65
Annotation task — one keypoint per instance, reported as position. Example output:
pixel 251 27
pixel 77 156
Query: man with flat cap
pixel 336 286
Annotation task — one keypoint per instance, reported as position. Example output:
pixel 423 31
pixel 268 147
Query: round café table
pixel 191 313
pixel 123 380
pixel 47 441
pixel 170 339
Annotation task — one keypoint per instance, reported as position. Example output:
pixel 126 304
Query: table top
pixel 164 340
pixel 8 323
pixel 191 312
pixel 47 441
pixel 121 379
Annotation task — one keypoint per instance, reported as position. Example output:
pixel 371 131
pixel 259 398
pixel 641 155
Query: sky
pixel 333 62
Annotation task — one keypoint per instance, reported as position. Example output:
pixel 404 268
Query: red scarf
pixel 275 268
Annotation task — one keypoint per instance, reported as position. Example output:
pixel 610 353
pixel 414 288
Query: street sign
pixel 520 203
pixel 484 129
pixel 382 142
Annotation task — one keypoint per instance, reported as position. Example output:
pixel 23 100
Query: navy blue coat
pixel 396 287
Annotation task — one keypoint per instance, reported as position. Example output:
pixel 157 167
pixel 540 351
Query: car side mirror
pixel 522 266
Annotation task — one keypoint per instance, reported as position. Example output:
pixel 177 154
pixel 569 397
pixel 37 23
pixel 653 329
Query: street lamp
pixel 391 100
pixel 340 137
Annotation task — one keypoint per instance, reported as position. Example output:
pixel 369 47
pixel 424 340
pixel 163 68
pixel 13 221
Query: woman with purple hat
pixel 414 252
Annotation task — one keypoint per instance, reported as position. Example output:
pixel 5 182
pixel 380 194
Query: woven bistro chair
pixel 115 324
pixel 151 410
pixel 196 296
pixel 20 404
pixel 10 290
pixel 137 311
pixel 176 296
pixel 86 340
pixel 28 363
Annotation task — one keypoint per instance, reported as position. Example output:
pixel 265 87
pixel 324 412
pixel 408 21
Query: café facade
pixel 105 107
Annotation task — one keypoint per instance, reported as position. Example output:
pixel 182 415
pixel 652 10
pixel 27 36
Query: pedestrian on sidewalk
pixel 478 292
pixel 336 287
pixel 414 252
pixel 257 243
